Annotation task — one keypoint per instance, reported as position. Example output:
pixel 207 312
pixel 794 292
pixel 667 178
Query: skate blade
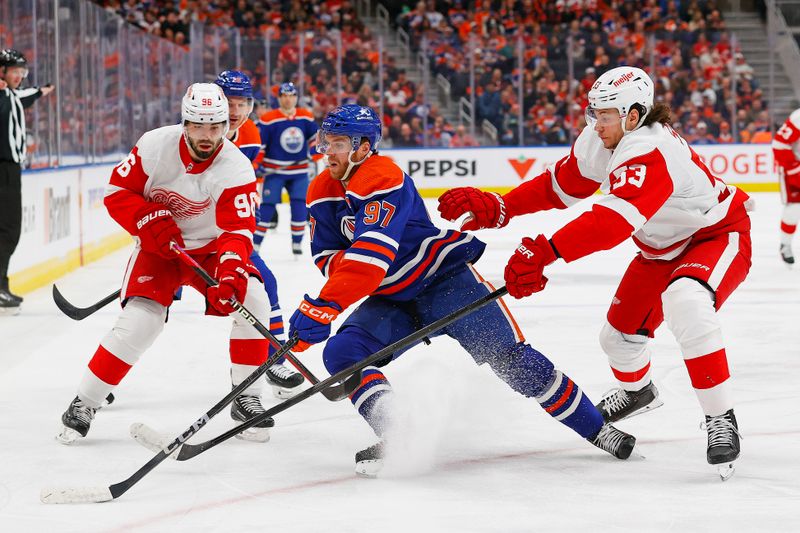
pixel 369 469
pixel 282 393
pixel 68 436
pixel 655 404
pixel 254 435
pixel 9 311
pixel 726 470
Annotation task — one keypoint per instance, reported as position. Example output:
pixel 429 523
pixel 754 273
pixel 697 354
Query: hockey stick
pixel 79 313
pixel 187 451
pixel 337 392
pixel 104 494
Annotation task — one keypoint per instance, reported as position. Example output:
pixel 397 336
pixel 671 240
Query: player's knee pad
pixel 256 300
pixel 348 347
pixel 525 369
pixel 138 326
pixel 690 314
pixel 621 347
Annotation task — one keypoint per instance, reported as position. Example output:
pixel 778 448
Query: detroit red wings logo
pixel 182 208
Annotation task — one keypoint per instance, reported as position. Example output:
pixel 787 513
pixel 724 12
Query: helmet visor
pixel 340 144
pixel 603 117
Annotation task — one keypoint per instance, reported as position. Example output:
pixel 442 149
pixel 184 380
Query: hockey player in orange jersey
pixel 692 229
pixel 245 135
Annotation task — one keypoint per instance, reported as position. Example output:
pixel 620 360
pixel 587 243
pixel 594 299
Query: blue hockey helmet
pixel 235 84
pixel 287 88
pixel 354 121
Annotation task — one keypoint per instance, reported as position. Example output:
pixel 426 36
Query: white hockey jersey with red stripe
pixel 656 188
pixel 208 200
pixel 786 143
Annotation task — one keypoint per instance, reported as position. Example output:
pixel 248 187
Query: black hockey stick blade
pixel 79 313
pixel 188 451
pixel 112 492
pixel 334 393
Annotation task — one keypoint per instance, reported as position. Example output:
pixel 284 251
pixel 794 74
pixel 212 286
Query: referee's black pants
pixel 10 214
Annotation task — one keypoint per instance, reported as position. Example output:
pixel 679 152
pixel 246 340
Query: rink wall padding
pixel 64 225
pixel 749 166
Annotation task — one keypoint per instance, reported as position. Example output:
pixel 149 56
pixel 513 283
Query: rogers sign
pixel 739 163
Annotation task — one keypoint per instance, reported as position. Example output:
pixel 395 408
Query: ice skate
pixel 370 460
pixel 616 442
pixel 619 404
pixel 787 255
pixel 245 407
pixel 273 223
pixel 9 306
pixel 723 443
pixel 76 419
pixel 297 248
pixel 285 382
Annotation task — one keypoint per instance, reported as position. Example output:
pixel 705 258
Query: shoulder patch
pixel 378 173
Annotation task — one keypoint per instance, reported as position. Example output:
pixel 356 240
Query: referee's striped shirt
pixel 12 122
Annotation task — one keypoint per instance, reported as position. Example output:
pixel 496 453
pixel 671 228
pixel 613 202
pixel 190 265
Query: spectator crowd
pixel 683 44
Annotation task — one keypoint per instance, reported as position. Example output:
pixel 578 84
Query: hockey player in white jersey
pixel 692 229
pixel 184 184
pixel 785 148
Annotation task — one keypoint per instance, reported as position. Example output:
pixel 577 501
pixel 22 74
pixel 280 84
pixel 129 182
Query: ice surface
pixel 473 456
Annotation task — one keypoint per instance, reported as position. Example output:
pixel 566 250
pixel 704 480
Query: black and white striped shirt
pixel 12 122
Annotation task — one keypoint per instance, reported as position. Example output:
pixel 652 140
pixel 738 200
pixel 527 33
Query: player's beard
pixel 203 154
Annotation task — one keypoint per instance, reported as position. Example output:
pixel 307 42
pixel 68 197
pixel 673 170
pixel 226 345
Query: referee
pixel 13 70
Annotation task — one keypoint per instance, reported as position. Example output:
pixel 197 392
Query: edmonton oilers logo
pixel 292 139
pixel 348 227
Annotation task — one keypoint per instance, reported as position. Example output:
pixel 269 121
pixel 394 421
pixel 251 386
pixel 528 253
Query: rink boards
pixel 65 224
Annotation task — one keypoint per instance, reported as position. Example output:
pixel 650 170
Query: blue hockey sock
pixel 276 328
pixel 532 374
pixel 369 399
pixel 567 403
pixel 299 219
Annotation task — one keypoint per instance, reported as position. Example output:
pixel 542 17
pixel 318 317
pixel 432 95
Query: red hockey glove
pixel 524 271
pixel 488 210
pixel 231 273
pixel 157 229
pixel 312 321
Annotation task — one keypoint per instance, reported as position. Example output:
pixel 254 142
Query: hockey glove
pixel 232 276
pixel 312 321
pixel 157 229
pixel 524 271
pixel 487 209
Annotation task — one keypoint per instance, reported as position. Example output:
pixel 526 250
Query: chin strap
pixel 352 164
